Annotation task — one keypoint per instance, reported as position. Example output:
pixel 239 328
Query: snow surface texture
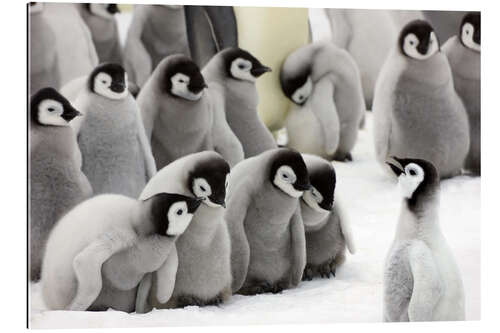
pixel 371 200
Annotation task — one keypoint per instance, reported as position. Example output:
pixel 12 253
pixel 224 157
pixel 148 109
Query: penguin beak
pixel 113 8
pixel 117 87
pixel 302 187
pixel 194 204
pixel 258 71
pixel 423 46
pixel 70 113
pixel 395 165
pixel 197 88
pixel 219 199
pixel 326 206
pixel 476 37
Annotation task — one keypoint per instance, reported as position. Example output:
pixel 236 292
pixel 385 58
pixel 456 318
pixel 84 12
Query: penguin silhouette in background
pixel 56 181
pixel 43 68
pixel 464 55
pixel 100 18
pixel 416 109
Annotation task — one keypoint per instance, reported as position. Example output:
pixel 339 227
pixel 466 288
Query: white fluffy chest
pixel 304 131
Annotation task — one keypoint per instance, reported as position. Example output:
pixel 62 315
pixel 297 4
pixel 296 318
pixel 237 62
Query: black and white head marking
pixel 241 65
pixel 297 88
pixel 208 181
pixel 289 173
pixel 35 7
pixel 470 31
pixel 49 108
pixel 172 213
pixel 109 80
pixel 104 10
pixel 183 79
pixel 417 179
pixel 320 196
pixel 418 40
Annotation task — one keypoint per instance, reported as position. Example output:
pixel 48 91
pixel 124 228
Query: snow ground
pixel 372 203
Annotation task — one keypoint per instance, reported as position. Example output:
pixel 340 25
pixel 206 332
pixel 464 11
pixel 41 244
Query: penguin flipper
pixel 87 265
pixel 298 246
pixel 165 278
pixel 324 109
pixel 345 227
pixel 427 287
pixel 150 164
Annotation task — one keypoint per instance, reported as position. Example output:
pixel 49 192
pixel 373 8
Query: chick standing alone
pixel 56 179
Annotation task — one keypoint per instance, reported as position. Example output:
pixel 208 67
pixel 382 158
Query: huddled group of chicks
pixel 169 190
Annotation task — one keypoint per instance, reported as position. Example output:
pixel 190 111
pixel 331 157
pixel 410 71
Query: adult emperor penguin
pixel 43 68
pixel 116 153
pixel 464 55
pixel 327 230
pixel 98 263
pixel 203 251
pixel 56 181
pixel 268 250
pixel 421 279
pixel 76 53
pixel 416 109
pixel 233 73
pixel 324 84
pixel 100 18
pixel 180 117
pixel 156 31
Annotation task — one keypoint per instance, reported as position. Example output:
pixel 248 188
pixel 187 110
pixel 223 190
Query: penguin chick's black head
pixel 323 179
pixel 112 8
pixel 418 40
pixel 241 65
pixel 49 107
pixel 171 213
pixel 208 181
pixel 291 85
pixel 184 72
pixel 419 179
pixel 289 172
pixel 471 25
pixel 108 80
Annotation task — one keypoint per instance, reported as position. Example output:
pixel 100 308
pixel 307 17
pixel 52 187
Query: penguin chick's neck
pixel 420 222
pixel 313 220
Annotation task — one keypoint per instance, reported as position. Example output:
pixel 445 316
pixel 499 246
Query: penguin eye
pixel 181 80
pixel 241 66
pixel 51 109
pixel 202 188
pixel 412 172
pixel 179 212
pixel 412 42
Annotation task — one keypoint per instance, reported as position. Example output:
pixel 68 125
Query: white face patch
pixel 102 86
pixel 180 87
pixel 300 95
pixel 284 179
pixel 240 69
pixel 50 113
pixel 178 218
pixel 202 189
pixel 313 198
pixel 100 10
pixel 410 46
pixel 37 7
pixel 410 179
pixel 467 34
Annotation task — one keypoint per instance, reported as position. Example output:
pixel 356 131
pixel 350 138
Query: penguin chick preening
pixel 97 263
pixel 232 73
pixel 116 153
pixel 180 117
pixel 324 84
pixel 464 55
pixel 56 181
pixel 268 250
pixel 100 18
pixel 421 279
pixel 327 230
pixel 416 109
pixel 203 276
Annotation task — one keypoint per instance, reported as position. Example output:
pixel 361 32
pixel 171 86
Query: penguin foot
pixel 308 273
pixel 187 300
pixel 342 157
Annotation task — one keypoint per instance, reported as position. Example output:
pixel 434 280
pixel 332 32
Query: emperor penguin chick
pixel 56 181
pixel 42 56
pixel 416 109
pixel 421 279
pixel 180 117
pixel 464 55
pixel 324 84
pixel 233 72
pixel 327 230
pixel 156 31
pixel 268 250
pixel 100 18
pixel 98 263
pixel 203 252
pixel 116 153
